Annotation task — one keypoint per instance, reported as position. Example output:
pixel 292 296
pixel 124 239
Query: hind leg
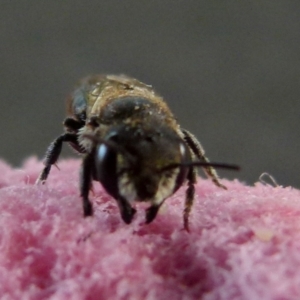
pixel 198 151
pixel 53 152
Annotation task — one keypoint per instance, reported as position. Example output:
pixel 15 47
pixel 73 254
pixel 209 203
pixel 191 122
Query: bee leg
pixel 127 212
pixel 198 150
pixel 151 212
pixel 189 197
pixel 86 184
pixel 53 153
pixel 72 124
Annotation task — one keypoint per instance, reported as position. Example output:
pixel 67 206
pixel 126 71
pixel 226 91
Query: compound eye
pixel 106 169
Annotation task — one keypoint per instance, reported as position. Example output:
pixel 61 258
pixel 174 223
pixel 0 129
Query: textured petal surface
pixel 244 242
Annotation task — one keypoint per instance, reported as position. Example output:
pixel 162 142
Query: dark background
pixel 228 69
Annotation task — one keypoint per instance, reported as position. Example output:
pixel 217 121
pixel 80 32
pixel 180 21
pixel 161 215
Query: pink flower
pixel 244 242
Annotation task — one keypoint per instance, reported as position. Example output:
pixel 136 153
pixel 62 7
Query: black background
pixel 228 69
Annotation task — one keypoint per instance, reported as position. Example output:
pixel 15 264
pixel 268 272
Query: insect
pixel 132 144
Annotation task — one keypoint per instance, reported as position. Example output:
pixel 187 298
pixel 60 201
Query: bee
pixel 132 144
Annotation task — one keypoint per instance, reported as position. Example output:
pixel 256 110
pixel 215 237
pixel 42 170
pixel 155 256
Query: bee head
pixel 132 162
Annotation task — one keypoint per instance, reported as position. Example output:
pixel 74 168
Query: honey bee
pixel 132 144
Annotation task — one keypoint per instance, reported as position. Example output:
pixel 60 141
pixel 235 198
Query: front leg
pixel 53 153
pixel 86 183
pixel 126 210
pixel 151 212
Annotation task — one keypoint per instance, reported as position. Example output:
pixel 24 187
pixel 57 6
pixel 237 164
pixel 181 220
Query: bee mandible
pixel 132 144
